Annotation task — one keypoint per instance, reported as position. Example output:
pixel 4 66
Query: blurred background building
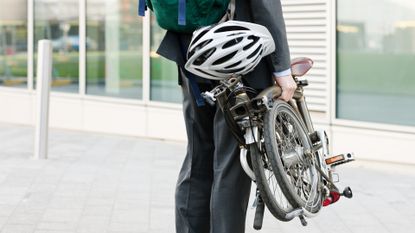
pixel 108 78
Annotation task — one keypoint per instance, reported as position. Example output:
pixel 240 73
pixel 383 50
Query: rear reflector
pixel 334 159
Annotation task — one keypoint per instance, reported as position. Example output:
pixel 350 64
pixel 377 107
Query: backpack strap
pixel 182 13
pixel 142 7
pixel 230 12
pixel 194 87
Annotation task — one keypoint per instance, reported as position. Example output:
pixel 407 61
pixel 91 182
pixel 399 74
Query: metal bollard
pixel 44 76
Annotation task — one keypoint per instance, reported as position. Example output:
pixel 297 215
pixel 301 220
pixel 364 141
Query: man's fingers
pixel 288 87
pixel 286 95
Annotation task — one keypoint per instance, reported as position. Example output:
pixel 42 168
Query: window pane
pixel 58 20
pixel 114 48
pixel 13 43
pixel 375 55
pixel 164 85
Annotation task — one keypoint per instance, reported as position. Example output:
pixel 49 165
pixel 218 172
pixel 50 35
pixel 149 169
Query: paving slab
pixel 97 183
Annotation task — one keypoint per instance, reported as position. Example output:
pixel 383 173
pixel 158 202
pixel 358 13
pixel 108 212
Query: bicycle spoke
pixel 276 190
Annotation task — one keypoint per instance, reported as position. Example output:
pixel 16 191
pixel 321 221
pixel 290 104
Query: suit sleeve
pixel 269 14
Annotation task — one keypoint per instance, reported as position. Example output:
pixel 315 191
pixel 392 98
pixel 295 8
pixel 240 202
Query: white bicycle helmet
pixel 230 48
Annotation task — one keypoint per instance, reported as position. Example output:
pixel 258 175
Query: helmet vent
pixel 230 71
pixel 233 65
pixel 190 53
pixel 225 58
pixel 196 39
pixel 254 41
pixel 255 52
pixel 204 43
pixel 232 42
pixel 203 57
pixel 231 28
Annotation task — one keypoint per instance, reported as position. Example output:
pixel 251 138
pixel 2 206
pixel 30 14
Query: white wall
pixel 371 144
pixel 96 114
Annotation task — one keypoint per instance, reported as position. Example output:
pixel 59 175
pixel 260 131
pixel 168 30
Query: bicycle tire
pixel 276 209
pixel 274 141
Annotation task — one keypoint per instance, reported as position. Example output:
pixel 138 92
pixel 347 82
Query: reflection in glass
pixel 13 43
pixel 114 53
pixel 375 60
pixel 164 85
pixel 58 21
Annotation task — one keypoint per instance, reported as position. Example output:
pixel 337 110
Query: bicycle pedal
pixel 339 159
pixel 347 192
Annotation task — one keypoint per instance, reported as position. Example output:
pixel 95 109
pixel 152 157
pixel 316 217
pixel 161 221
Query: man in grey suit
pixel 212 190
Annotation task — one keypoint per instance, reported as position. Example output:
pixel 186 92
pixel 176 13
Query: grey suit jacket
pixel 265 12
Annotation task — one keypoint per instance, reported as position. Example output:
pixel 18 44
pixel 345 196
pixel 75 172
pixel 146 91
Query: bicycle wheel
pixel 268 186
pixel 286 141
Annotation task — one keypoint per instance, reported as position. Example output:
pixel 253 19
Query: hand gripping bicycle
pixel 280 150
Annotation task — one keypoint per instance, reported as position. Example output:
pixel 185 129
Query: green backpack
pixel 185 15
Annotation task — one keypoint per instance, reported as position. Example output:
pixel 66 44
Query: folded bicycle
pixel 280 149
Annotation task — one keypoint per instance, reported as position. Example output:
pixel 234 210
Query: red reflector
pixel 327 201
pixel 334 197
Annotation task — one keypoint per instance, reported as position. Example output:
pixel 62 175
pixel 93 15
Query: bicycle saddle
pixel 300 66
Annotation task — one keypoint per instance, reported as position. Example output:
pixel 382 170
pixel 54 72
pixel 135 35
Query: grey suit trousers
pixel 212 191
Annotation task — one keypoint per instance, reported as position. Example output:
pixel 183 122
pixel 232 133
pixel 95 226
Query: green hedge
pixel 66 66
pixel 376 73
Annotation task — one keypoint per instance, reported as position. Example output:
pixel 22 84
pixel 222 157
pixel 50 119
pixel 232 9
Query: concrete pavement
pixel 95 183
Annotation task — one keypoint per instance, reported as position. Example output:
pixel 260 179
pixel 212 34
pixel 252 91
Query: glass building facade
pixel 58 21
pixel 113 48
pixel 99 50
pixel 13 43
pixel 375 57
pixel 163 72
